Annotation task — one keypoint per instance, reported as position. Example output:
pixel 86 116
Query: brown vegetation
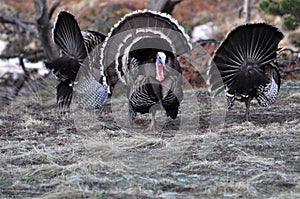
pixel 206 153
pixel 92 155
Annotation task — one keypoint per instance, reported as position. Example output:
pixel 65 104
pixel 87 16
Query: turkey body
pixel 246 61
pixel 76 46
pixel 145 60
pixel 146 94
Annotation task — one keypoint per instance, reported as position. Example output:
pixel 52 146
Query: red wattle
pixel 159 72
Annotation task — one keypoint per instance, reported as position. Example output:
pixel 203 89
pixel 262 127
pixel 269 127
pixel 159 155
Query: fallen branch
pixel 283 62
pixel 292 70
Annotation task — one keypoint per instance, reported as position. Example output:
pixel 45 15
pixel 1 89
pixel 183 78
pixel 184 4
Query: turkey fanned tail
pixel 80 50
pixel 141 51
pixel 246 64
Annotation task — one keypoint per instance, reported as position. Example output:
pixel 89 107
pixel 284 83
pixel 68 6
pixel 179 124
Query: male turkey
pixel 141 51
pixel 246 61
pixel 80 49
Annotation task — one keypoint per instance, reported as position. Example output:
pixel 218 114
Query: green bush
pixel 288 9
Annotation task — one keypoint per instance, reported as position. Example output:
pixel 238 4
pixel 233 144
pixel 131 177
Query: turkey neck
pixel 160 89
pixel 159 72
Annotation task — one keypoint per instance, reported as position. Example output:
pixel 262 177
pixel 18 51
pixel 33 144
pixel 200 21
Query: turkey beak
pixel 160 66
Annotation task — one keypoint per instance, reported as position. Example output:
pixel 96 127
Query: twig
pixel 286 62
pixel 166 6
pixel 21 81
pixel 16 21
pixel 25 54
pixel 292 70
pixel 288 49
pixel 205 41
pixel 44 30
pixel 53 8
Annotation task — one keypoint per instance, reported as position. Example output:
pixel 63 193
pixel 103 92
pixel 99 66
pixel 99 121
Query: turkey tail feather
pixel 243 54
pixel 67 35
pixel 64 95
pixel 80 58
pixel 143 29
pixel 92 39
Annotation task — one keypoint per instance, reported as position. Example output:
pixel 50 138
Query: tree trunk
pixel 166 6
pixel 247 10
pixel 44 29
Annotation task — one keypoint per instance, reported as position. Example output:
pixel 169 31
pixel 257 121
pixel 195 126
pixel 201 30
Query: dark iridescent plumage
pixel 79 48
pixel 246 61
pixel 141 51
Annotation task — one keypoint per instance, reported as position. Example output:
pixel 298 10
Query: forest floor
pixel 205 153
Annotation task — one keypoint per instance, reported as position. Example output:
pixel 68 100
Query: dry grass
pixel 94 155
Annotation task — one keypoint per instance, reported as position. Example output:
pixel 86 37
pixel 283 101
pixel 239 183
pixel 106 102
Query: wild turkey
pixel 80 49
pixel 141 51
pixel 246 61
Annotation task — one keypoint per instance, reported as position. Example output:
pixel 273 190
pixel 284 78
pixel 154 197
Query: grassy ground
pixel 93 155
